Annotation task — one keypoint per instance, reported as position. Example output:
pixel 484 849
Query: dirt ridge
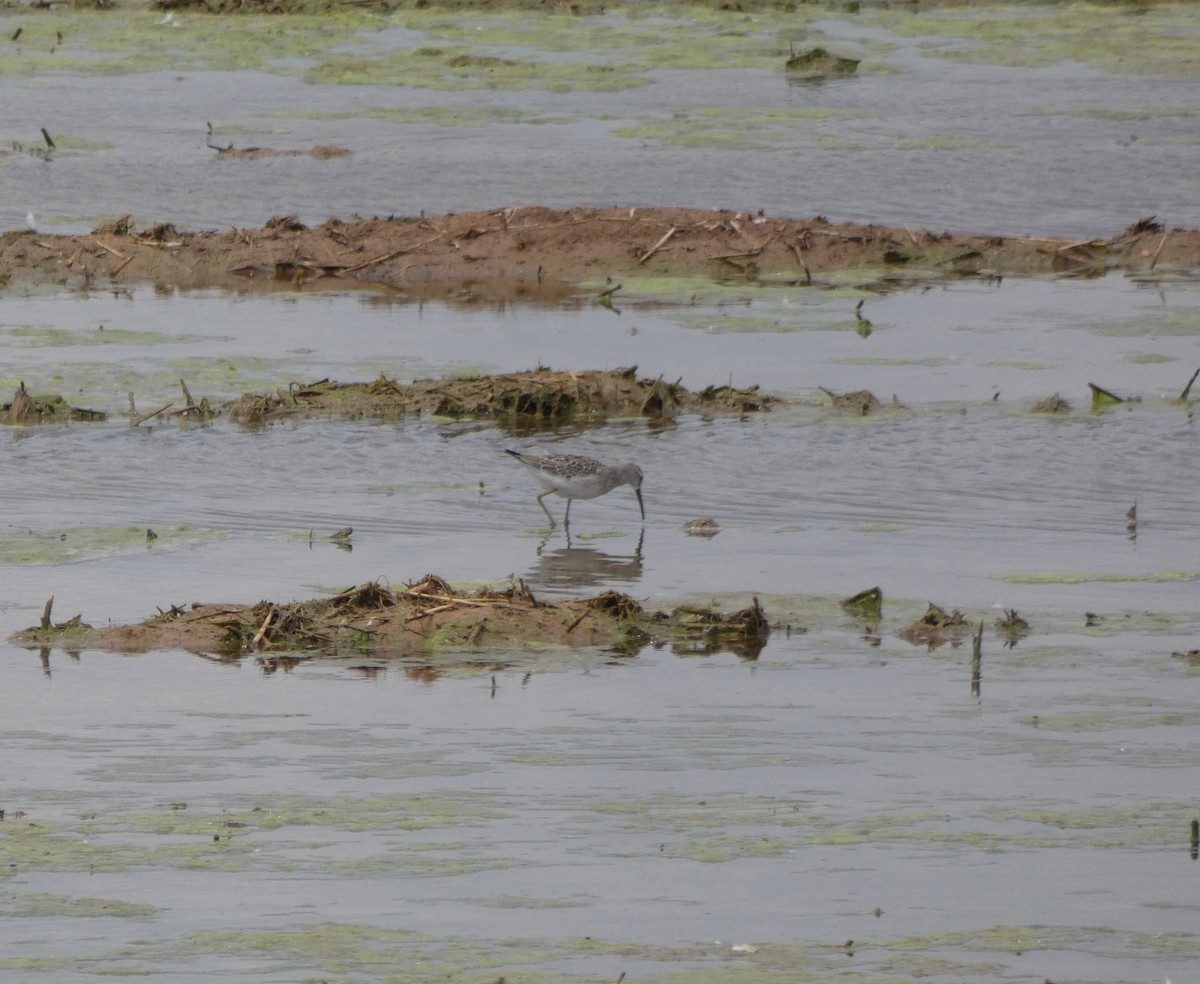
pixel 541 253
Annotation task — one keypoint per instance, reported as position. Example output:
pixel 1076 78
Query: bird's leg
pixel 567 515
pixel 547 511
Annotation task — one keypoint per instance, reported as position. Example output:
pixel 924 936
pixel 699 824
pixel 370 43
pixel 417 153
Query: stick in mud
pixel 1158 252
pixel 46 613
pixel 658 245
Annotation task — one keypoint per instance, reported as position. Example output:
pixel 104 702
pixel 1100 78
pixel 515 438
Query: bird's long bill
pixel 638 493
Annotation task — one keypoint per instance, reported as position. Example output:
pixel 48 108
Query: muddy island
pixel 423 618
pixel 540 254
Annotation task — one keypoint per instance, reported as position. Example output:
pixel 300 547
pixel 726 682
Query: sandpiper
pixel 575 477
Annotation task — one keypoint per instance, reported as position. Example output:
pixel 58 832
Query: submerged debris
pixel 1012 626
pixel 859 402
pixel 706 527
pixel 1103 398
pixel 425 616
pixel 26 409
pixel 935 627
pixel 1052 404
pixel 705 631
pixel 817 63
pixel 866 604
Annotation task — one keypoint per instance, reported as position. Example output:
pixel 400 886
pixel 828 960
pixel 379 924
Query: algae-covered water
pixel 849 805
pixel 1063 120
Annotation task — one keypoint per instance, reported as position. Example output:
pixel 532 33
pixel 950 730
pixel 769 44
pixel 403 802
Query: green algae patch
pixel 1180 324
pixel 41 336
pixel 457 68
pixel 100 43
pixel 463 116
pixel 1017 364
pixel 650 37
pixel 530 902
pixel 48 905
pixel 931 362
pixel 952 141
pixel 726 847
pixel 1159 577
pixel 72 545
pixel 730 129
pixel 724 324
pixel 59 847
pixel 339 947
pixel 224 373
pixel 443 48
pixel 1143 825
pixel 1006 939
pixel 1098 722
pixel 1159 40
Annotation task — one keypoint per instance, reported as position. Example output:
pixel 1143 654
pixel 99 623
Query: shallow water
pixel 576 815
pixel 1050 145
pixel 555 815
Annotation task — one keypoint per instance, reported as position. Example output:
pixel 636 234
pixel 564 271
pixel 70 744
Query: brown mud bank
pixel 422 619
pixel 541 254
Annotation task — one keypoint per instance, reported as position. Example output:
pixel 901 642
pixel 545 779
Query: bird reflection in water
pixel 584 567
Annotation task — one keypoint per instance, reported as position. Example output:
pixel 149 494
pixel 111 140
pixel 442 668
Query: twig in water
pixel 1187 389
pixel 154 413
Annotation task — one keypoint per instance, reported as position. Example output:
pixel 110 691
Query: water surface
pixel 497 812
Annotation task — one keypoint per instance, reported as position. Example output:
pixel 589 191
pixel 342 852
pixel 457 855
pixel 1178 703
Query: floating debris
pixel 706 527
pixel 859 402
pixel 744 632
pixel 27 409
pixel 1052 404
pixel 1012 627
pixel 935 627
pixel 1103 398
pixel 867 604
pixel 817 63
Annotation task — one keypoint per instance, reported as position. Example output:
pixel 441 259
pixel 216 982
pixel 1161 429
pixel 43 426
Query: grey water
pixel 673 804
pixel 912 140
pixel 550 814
